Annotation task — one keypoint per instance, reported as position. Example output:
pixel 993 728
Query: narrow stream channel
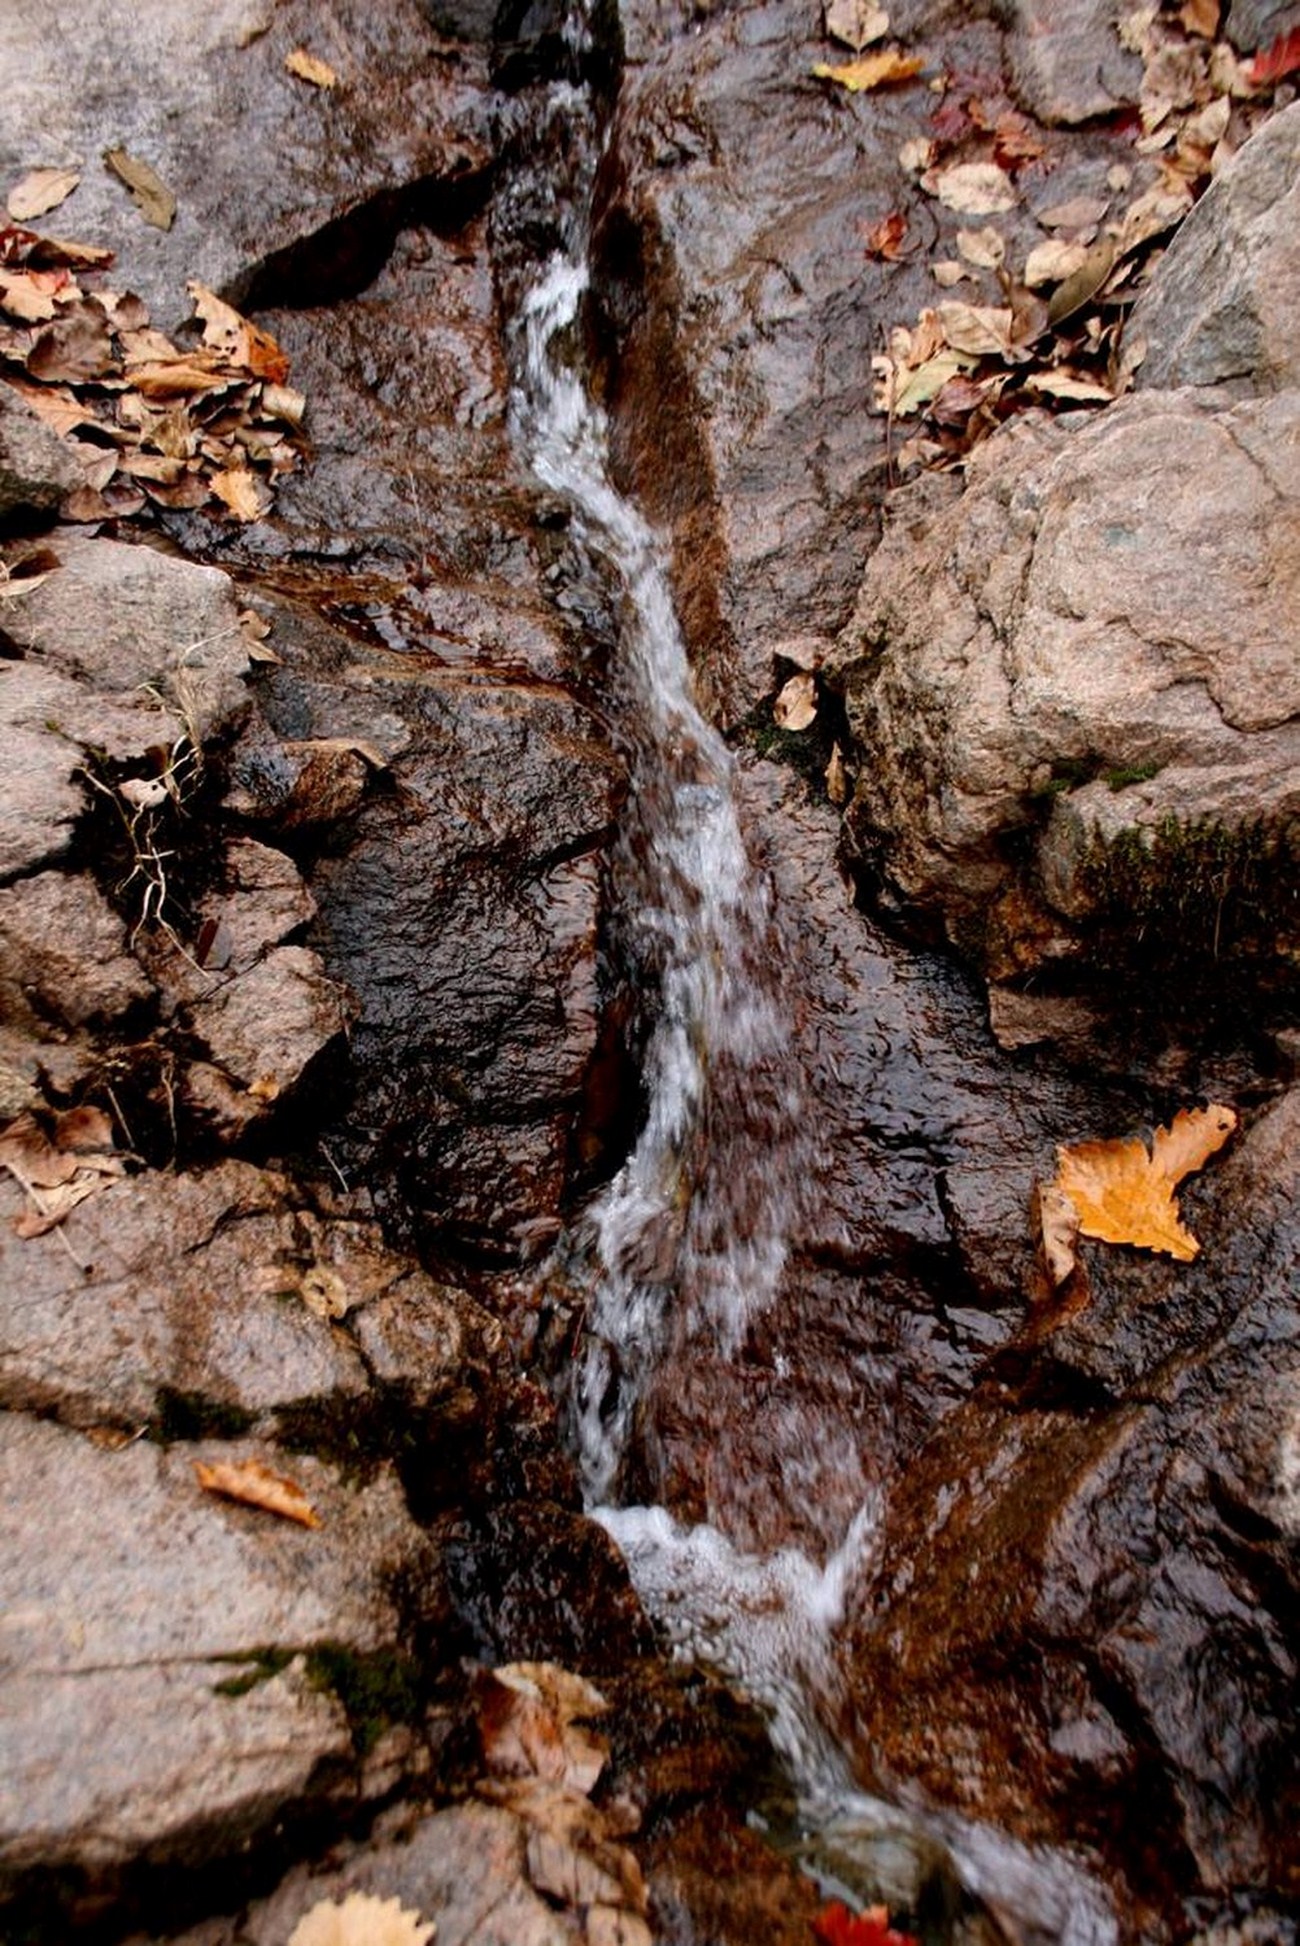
pixel 692 1231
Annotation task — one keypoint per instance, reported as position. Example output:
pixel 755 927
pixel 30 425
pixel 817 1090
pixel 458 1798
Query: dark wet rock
pixel 36 467
pixel 1221 305
pixel 910 1241
pixel 1053 683
pixel 167 1286
pixel 263 166
pixel 1084 1590
pixel 63 952
pixel 133 1736
pixel 1067 64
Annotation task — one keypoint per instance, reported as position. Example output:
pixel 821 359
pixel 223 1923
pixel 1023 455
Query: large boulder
pixel 1220 308
pixel 1074 688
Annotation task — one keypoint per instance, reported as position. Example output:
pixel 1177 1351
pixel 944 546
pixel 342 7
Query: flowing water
pixel 688 1243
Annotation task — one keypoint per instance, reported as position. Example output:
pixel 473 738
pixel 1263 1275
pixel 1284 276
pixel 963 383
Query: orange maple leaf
pixel 1125 1195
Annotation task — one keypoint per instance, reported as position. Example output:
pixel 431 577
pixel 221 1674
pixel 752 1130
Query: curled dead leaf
pixel 149 192
pixel 253 1484
pixel 529 1727
pixel 310 68
pixel 361 1919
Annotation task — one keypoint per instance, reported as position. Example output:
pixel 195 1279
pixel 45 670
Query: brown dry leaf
pixel 57 1175
pixel 241 491
pixel 76 347
pixel 1124 1195
pixel 856 22
pixel 40 191
pixel 975 328
pixel 948 273
pixel 24 295
pixel 253 1484
pixel 324 1293
pixel 28 1153
pixel 361 1919
pixel 1200 17
pixel 1052 262
pixel 972 188
pixel 837 783
pixel 309 67
pixel 237 338
pixel 528 1724
pixel 902 390
pixel 1058 1224
pixel 796 706
pixel 1083 284
pixel 883 70
pixel 149 192
pixel 984 248
pixel 1080 213
pixel 885 238
pixel 1061 383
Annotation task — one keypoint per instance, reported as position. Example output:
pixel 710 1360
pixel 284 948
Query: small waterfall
pixel 690 1236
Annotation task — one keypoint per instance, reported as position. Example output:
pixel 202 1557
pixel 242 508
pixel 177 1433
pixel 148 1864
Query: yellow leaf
pixel 1125 1195
pixel 41 191
pixel 872 71
pixel 253 1484
pixel 361 1920
pixel 238 489
pixel 308 67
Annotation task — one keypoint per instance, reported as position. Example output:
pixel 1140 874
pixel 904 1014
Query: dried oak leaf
pixel 883 70
pixel 241 341
pixel 40 191
pixel 528 1724
pixel 361 1919
pixel 149 192
pixel 253 1484
pixel 1125 1195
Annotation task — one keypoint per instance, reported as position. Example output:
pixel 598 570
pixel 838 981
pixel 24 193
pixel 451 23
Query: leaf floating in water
pixel 1123 1194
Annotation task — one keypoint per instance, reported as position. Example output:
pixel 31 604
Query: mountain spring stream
pixel 686 1247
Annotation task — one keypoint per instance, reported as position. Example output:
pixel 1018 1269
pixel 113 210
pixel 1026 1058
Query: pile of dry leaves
pixel 1055 335
pixel 148 420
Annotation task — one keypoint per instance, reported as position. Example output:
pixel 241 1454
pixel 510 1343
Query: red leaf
pixel 1271 63
pixel 835 1925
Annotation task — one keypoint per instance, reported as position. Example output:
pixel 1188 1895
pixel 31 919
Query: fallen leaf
pixel 1083 284
pixel 901 392
pixel 1058 1224
pixel 569 1851
pixel 1124 1195
pixel 856 22
pixel 1061 383
pixel 58 1175
pixel 1281 58
pixel 1080 213
pixel 1053 261
pixel 149 192
pixel 529 1727
pixel 1155 211
pixel 39 192
pixel 253 1484
pixel 361 1919
pixel 984 248
pixel 309 67
pixel 74 348
pixel 239 490
pixel 916 154
pixel 1200 17
pixel 323 1292
pixel 972 188
pixel 837 783
pixel 947 273
pixel 837 1925
pixel 236 337
pixel 885 238
pixel 796 706
pixel 974 328
pixel 882 70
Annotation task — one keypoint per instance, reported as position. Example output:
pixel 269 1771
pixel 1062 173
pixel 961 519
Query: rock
pixel 268 1024
pixel 1126 1481
pixel 1052 675
pixel 127 619
pixel 63 948
pixel 163 1289
pixel 1068 66
pixel 263 901
pixel 1258 23
pixel 166 1690
pixel 36 466
pixel 1238 244
pixel 209 91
